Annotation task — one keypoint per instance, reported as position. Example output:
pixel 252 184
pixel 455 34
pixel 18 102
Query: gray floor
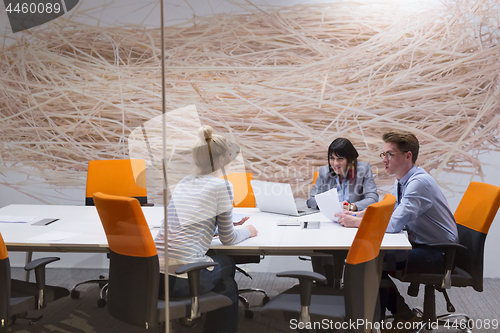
pixel 83 315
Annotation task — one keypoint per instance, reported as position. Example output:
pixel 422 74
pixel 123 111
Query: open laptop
pixel 277 198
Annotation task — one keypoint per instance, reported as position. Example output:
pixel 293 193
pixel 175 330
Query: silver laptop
pixel 277 198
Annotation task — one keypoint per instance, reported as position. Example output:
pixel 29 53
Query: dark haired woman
pixel 352 179
pixel 354 183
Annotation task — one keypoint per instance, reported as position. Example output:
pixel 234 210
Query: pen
pixel 354 215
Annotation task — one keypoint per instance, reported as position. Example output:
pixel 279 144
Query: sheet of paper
pixel 237 217
pixel 53 236
pixel 16 219
pixel 292 221
pixel 328 203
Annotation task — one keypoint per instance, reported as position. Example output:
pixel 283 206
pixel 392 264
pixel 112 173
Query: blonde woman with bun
pixel 201 204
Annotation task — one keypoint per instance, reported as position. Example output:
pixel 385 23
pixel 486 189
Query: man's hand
pixel 348 212
pixel 348 220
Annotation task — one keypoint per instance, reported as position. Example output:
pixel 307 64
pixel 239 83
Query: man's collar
pixel 407 176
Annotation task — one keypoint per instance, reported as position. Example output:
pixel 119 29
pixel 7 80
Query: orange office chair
pixel 243 192
pixel 463 261
pixel 244 197
pixel 307 303
pixel 134 274
pixel 126 177
pixel 315 177
pixel 18 297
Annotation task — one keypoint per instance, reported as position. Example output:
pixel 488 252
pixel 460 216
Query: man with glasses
pixel 422 208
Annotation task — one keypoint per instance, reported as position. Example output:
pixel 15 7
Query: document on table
pixel 16 219
pixel 237 217
pixel 290 220
pixel 328 203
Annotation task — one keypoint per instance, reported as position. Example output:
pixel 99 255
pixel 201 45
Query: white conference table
pixel 78 229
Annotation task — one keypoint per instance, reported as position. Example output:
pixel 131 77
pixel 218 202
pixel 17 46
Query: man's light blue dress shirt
pixel 423 209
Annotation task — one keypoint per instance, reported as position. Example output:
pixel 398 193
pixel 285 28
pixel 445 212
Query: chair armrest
pixel 449 260
pixel 306 279
pixel 194 266
pixel 444 246
pixel 193 272
pixel 312 276
pixel 39 266
pixel 40 262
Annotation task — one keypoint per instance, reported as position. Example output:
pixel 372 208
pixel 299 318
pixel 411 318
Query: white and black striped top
pixel 199 205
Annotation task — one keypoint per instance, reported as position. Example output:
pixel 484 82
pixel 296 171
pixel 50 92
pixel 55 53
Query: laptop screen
pixel 274 197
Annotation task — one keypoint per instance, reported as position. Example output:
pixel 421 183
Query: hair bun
pixel 205 132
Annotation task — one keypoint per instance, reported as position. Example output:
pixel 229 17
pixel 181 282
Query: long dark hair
pixel 342 147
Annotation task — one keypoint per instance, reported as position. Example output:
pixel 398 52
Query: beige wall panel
pixel 281 83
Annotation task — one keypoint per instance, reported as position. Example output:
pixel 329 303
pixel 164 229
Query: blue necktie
pixel 399 192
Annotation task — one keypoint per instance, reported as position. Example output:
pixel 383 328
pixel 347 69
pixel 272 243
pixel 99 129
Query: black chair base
pixel 246 304
pixel 103 285
pixel 431 321
pixel 450 320
pixel 246 259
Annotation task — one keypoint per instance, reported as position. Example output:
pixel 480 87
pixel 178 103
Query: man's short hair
pixel 405 141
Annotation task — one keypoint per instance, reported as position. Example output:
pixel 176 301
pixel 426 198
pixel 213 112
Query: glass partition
pixel 72 89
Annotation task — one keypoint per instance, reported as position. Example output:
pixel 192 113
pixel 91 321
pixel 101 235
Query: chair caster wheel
pixel 101 302
pixel 104 281
pixel 265 300
pixel 249 314
pixel 75 294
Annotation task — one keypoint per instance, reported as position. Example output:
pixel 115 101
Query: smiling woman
pixel 353 180
pixel 355 187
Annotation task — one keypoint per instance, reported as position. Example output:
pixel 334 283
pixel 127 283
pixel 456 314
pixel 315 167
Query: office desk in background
pixel 78 229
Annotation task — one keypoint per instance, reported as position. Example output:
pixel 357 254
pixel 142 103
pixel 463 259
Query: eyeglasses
pixel 390 154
